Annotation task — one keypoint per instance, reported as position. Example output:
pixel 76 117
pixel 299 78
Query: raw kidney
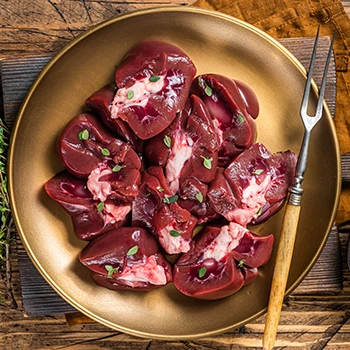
pixel 233 106
pixel 126 258
pixel 221 261
pixel 153 83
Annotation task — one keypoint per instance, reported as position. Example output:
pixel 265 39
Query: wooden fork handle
pixel 280 274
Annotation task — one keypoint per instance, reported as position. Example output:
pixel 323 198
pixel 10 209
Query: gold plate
pixel 216 43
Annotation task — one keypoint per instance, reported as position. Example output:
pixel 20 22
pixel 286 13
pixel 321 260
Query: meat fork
pixel 292 213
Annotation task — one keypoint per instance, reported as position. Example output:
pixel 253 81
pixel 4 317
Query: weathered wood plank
pixel 45 26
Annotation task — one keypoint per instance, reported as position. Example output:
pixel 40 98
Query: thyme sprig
pixel 7 228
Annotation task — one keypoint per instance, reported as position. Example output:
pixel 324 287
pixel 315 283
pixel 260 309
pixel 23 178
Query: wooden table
pixel 32 27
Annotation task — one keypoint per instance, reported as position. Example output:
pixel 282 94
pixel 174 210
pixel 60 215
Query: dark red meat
pixel 150 198
pixel 85 142
pixel 193 197
pixel 211 269
pixel 90 217
pixel 126 258
pixel 253 186
pixel 232 105
pixel 153 83
pixel 187 147
pixel 173 228
pixel 100 102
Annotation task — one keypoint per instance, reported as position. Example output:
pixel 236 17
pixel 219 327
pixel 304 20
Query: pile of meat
pixel 161 152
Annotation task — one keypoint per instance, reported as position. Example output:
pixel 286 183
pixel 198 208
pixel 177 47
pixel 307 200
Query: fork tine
pixel 324 79
pixel 305 101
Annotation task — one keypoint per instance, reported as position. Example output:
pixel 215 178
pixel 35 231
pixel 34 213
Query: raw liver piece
pixel 153 83
pixel 233 106
pixel 193 197
pixel 150 197
pixel 173 228
pixel 127 258
pixel 253 186
pixel 81 155
pixel 210 270
pixel 89 219
pixel 100 102
pixel 191 139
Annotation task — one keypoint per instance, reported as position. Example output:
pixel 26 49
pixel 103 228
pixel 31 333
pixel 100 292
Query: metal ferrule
pixel 296 191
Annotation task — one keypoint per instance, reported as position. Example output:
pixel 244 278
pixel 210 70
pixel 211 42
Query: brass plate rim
pixel 13 139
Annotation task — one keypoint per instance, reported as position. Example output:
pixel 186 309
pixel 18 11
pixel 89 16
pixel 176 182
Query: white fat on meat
pixel 147 271
pixel 100 189
pixel 219 132
pixel 115 213
pixel 227 240
pixel 253 198
pixel 172 245
pixel 181 151
pixel 141 92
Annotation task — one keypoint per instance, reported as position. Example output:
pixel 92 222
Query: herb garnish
pixel 100 206
pixel 240 118
pixel 207 162
pixel 199 197
pixel 201 272
pixel 208 90
pixel 258 171
pixel 148 194
pixel 241 263
pixel 110 269
pixel 84 135
pixel 132 251
pixel 174 233
pixel 167 141
pixel 160 189
pixel 201 82
pixel 154 78
pixel 105 151
pixel 118 168
pixel 171 199
pixel 130 95
pixel 259 212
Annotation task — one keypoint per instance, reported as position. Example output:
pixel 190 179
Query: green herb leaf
pixel 148 194
pixel 160 189
pixel 257 171
pixel 171 199
pixel 167 141
pixel 84 135
pixel 85 219
pixel 110 269
pixel 201 82
pixel 105 151
pixel 208 90
pixel 130 95
pixel 100 206
pixel 199 197
pixel 241 118
pixel 132 251
pixel 174 233
pixel 207 162
pixel 241 263
pixel 118 168
pixel 201 272
pixel 259 212
pixel 154 78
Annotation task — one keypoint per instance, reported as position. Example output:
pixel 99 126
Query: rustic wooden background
pixel 313 322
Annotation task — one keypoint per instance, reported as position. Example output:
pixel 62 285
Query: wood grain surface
pixel 311 321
